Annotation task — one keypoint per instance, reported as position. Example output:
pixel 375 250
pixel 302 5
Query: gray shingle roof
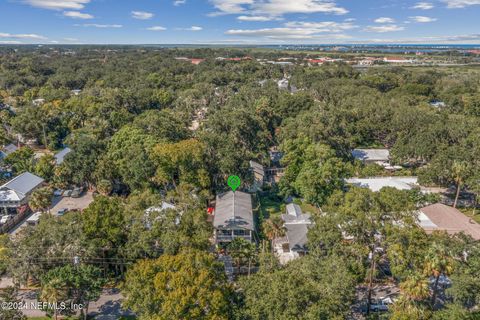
pixel 297 236
pixel 233 210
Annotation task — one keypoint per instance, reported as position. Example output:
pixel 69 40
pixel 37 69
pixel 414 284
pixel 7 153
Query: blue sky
pixel 239 21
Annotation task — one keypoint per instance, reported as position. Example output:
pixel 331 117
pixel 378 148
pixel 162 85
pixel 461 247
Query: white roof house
pixel 294 243
pixel 15 192
pixel 371 154
pixel 378 156
pixel 377 183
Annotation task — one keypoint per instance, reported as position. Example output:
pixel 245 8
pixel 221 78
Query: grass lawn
pixel 469 213
pixel 270 207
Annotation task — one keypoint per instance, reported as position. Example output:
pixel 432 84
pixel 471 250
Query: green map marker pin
pixel 233 182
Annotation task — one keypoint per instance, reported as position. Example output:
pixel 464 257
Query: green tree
pixel 273 228
pixel 128 158
pixel 242 251
pixel 438 261
pixel 275 295
pixel 41 199
pixel 181 162
pixel 10 295
pixel 410 305
pixel 45 167
pixel 74 284
pixel 313 170
pixel 369 218
pixel 104 224
pixel 21 160
pixel 190 285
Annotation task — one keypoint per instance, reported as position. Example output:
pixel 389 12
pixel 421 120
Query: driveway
pixel 70 203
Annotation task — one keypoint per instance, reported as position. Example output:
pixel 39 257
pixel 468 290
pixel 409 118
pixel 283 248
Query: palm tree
pixel 274 228
pixel 413 291
pixel 459 172
pixel 242 250
pixel 53 292
pixel 438 261
pixel 41 199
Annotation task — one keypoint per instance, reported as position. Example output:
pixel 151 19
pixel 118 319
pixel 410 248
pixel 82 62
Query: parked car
pixel 61 212
pixel 5 219
pixel 77 192
pixel 58 192
pixel 67 193
pixel 377 306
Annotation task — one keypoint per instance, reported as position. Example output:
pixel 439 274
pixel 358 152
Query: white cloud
pixel 96 25
pixel 299 30
pixel 324 26
pixel 384 20
pixel 142 15
pixel 422 19
pixel 256 18
pixel 31 36
pixel 70 39
pixel 58 4
pixel 460 3
pixel 384 28
pixel 10 42
pixel 275 8
pixel 192 28
pixel 157 28
pixel 179 2
pixel 423 6
pixel 77 15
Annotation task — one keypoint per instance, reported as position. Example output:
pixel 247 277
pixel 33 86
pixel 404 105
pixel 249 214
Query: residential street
pixel 108 305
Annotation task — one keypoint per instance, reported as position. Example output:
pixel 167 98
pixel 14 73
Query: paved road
pixel 108 306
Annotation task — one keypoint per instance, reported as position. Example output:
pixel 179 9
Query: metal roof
pixel 377 183
pixel 294 209
pixel 371 154
pixel 59 157
pixel 21 185
pixel 233 210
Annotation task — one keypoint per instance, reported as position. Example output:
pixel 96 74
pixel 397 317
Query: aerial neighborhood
pixel 239 183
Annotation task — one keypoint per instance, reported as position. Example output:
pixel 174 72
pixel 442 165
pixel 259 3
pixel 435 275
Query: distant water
pixel 393 48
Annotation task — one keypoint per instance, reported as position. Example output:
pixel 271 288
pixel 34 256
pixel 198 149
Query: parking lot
pixel 69 203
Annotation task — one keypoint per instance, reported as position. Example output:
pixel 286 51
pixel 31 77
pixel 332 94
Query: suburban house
pixel 294 243
pixel 8 149
pixel 258 176
pixel 16 192
pixel 377 183
pixel 377 156
pixel 60 156
pixel 233 217
pixel 445 218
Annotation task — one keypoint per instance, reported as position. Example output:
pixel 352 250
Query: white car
pixel 5 219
